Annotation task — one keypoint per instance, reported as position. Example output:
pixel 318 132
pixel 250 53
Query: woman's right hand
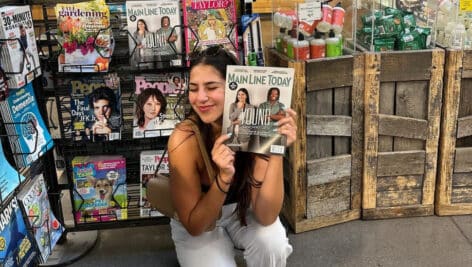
pixel 224 157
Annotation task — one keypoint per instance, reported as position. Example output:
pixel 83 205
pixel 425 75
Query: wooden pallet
pixel 403 96
pixel 324 167
pixel 454 187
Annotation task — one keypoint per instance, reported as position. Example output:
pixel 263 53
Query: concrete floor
pixel 419 241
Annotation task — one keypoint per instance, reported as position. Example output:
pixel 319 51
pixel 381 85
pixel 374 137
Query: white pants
pixel 265 246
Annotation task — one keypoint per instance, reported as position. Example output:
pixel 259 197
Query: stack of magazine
pixel 151 161
pixel 9 177
pixel 18 51
pixel 46 228
pixel 29 138
pixel 17 248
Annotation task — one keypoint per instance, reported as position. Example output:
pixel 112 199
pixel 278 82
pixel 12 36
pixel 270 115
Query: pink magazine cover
pixel 209 23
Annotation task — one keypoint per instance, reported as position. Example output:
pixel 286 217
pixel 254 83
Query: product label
pixel 466 5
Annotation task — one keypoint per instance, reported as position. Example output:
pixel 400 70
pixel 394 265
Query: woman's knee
pixel 269 246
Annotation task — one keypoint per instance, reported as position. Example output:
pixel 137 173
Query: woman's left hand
pixel 288 126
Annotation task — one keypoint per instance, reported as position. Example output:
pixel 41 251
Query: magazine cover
pixel 157 108
pixel 153 35
pixel 255 99
pixel 85 36
pixel 149 161
pixel 210 22
pixel 9 177
pixel 19 55
pixel 28 135
pixel 17 249
pixel 99 188
pixel 96 112
pixel 46 228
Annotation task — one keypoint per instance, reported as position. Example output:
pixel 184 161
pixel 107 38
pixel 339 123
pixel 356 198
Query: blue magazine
pixel 28 135
pixel 17 247
pixel 9 177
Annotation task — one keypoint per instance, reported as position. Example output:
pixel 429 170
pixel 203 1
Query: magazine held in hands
pixel 255 99
pixel 153 36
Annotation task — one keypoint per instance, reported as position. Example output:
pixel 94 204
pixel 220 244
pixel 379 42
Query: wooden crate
pixel 324 166
pixel 403 96
pixel 454 187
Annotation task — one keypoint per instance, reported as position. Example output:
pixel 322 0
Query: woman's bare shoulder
pixel 182 138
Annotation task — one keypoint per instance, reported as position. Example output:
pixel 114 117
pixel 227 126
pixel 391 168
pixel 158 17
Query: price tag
pixel 309 11
pixel 277 149
pixel 466 5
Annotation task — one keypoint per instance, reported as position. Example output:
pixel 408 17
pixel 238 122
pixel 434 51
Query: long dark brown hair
pixel 243 180
pixel 141 101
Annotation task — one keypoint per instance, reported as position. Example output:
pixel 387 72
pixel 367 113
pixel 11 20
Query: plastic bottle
pixel 285 41
pixel 279 40
pixel 337 21
pixel 301 48
pixel 317 47
pixel 332 45
pixel 290 43
pixel 340 42
pixel 325 24
pixel 458 36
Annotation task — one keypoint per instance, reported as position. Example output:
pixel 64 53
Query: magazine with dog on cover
pixel 255 99
pixel 100 193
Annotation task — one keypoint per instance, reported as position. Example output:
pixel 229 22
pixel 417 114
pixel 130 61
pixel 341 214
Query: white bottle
pixel 458 36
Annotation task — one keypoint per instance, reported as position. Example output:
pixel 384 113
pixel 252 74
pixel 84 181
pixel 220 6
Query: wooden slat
pixel 454 209
pixel 329 125
pixel 371 122
pixel 326 170
pixel 328 206
pixel 463 159
pixel 450 106
pixel 393 212
pixel 342 106
pixel 327 220
pixel 329 73
pixel 402 126
pixel 411 101
pixel 323 105
pixel 321 192
pixel 401 163
pixel 397 66
pixel 464 127
pixel 467 64
pixel 386 106
pixel 397 183
pixel 462 180
pixel 298 149
pixel 434 120
pixel 461 195
pixel 398 198
pixel 357 139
